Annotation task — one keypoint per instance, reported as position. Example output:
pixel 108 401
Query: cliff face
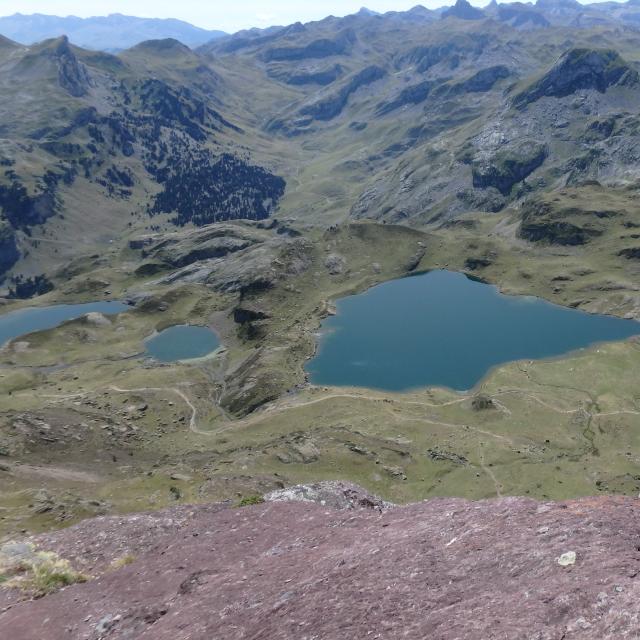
pixel 446 568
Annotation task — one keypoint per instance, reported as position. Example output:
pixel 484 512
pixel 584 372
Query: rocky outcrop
pixel 414 94
pixel 596 69
pixel 558 232
pixel 245 314
pixel 336 495
pixel 443 569
pixel 251 386
pixel 321 48
pixel 335 264
pixel 226 257
pixel 600 129
pixel 449 53
pixel 473 263
pixel 181 249
pixel 544 221
pixel 332 106
pixel 252 318
pixel 483 80
pixel 72 75
pixel 631 253
pixel 508 166
pixel 328 107
pixel 482 402
pixel 320 77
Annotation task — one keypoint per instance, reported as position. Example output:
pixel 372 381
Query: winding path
pixel 193 426
pixel 270 410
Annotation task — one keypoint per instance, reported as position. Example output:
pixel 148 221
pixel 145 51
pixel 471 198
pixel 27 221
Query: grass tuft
pixel 38 573
pixel 123 561
pixel 250 500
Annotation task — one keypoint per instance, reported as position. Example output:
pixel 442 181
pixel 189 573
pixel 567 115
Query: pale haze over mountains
pixel 96 27
pixel 215 15
pixel 109 33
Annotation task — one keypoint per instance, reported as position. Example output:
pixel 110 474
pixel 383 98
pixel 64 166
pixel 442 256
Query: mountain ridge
pixel 318 82
pixel 113 32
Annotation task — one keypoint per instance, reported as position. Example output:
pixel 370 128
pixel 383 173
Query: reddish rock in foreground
pixel 442 569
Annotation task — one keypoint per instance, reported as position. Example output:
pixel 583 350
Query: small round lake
pixel 182 342
pixel 444 329
pixel 18 323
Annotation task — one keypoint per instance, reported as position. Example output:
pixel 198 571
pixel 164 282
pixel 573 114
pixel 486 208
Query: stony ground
pixel 502 569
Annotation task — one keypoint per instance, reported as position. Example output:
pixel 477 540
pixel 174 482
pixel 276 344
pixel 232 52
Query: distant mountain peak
pixel 559 4
pixel 420 10
pixel 163 45
pixel 464 11
pixel 364 11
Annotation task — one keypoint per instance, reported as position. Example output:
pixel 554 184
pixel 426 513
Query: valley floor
pixel 88 426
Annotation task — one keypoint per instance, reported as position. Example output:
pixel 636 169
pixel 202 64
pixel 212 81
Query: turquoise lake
pixel 444 329
pixel 182 342
pixel 18 323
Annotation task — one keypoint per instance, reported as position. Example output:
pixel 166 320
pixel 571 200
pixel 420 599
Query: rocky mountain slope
pixel 436 122
pixel 448 568
pixel 141 136
pixel 102 33
pixel 385 117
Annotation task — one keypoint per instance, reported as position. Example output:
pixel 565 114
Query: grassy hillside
pixel 248 185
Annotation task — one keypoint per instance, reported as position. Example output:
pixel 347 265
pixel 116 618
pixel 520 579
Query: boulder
pixel 337 495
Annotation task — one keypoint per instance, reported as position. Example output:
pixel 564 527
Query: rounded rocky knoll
pixel 506 569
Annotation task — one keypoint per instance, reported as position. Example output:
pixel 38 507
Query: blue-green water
pixel 182 342
pixel 443 329
pixel 18 323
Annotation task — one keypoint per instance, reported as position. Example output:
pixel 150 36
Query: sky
pixel 227 15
